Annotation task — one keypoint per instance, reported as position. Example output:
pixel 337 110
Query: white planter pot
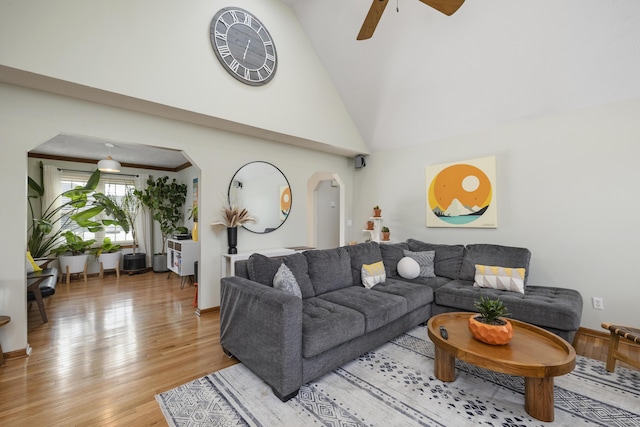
pixel 109 261
pixel 71 264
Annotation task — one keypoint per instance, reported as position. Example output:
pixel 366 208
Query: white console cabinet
pixel 181 256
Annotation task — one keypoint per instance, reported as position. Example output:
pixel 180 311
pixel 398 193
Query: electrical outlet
pixel 598 303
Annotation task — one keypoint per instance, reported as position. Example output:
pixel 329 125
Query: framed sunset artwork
pixel 462 194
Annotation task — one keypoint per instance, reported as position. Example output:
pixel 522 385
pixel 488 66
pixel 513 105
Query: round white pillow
pixel 408 268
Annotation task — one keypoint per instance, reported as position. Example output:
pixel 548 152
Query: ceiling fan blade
pixel 372 19
pixel 448 7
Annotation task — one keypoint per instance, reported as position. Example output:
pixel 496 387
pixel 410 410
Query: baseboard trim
pixel 593 333
pixel 18 354
pixel 200 312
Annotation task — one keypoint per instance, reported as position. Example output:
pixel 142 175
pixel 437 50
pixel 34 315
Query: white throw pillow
pixel 506 279
pixel 285 281
pixel 425 261
pixel 372 274
pixel 408 268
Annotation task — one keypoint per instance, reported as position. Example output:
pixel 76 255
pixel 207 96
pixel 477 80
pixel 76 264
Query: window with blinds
pixel 111 185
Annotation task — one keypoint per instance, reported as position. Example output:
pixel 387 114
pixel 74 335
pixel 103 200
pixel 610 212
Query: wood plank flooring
pixel 111 345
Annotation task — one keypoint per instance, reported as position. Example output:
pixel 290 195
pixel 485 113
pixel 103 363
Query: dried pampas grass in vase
pixel 232 217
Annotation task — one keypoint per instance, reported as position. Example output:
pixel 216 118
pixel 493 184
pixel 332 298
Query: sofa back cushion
pixel 297 263
pixel 362 254
pixel 263 269
pixel 448 258
pixel 495 255
pixel 392 253
pixel 329 269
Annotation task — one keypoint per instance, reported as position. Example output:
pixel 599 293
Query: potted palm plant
pixel 164 199
pixel 130 205
pixel 489 325
pixel 48 222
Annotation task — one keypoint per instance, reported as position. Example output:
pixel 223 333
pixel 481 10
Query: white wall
pixel 567 188
pixel 156 57
pixel 161 52
pixel 28 118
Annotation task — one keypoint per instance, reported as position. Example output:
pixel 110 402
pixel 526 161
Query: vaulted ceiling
pixel 425 76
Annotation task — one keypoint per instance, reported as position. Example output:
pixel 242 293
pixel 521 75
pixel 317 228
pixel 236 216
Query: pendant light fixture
pixel 108 164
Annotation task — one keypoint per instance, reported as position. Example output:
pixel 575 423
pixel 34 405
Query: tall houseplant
pixel 48 222
pixel 131 204
pixel 164 199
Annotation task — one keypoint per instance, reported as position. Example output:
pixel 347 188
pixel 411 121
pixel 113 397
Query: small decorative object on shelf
pixel 369 225
pixel 385 233
pixel 488 326
pixel 377 212
pixel 232 217
pixel 194 214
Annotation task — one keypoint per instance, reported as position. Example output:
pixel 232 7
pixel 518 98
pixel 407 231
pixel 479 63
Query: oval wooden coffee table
pixel 533 353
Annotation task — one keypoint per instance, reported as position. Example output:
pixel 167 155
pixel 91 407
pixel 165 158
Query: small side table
pixel 3 321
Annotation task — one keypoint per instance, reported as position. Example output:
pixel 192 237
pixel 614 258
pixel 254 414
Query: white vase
pixel 109 261
pixel 71 264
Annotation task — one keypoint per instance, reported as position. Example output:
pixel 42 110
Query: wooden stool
pixel 614 354
pixel 3 321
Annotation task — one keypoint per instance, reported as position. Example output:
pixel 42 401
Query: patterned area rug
pixel 394 386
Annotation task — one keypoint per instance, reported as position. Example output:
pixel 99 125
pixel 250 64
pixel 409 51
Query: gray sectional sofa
pixel 289 340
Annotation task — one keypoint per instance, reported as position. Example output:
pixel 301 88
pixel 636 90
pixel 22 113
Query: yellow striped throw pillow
pixel 372 274
pixel 504 278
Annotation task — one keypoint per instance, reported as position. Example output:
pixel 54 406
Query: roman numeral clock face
pixel 244 46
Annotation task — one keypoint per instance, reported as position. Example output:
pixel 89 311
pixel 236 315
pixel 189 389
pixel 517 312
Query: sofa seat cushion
pixel 448 259
pixel 433 282
pixel 325 325
pixel 378 308
pixel 543 306
pixel 417 295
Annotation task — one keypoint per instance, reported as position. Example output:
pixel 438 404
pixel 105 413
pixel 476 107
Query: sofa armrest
pixel 262 327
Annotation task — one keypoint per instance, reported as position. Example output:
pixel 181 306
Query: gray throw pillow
pixel 424 260
pixel 285 281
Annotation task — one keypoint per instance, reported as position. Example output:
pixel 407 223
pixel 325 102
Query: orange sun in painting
pixel 464 182
pixel 285 200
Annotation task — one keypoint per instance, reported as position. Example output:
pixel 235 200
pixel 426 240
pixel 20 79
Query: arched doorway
pixel 317 193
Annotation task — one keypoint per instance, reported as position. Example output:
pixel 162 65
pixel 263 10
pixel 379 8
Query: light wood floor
pixel 111 345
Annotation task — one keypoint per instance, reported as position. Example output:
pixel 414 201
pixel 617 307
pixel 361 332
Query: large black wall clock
pixel 244 46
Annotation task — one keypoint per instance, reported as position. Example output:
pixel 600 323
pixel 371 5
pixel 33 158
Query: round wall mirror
pixel 264 191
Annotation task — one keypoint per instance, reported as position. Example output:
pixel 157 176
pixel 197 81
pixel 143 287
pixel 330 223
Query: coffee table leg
pixel 538 398
pixel 444 365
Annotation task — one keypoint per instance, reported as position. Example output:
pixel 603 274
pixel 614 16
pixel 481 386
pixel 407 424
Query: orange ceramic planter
pixel 490 334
